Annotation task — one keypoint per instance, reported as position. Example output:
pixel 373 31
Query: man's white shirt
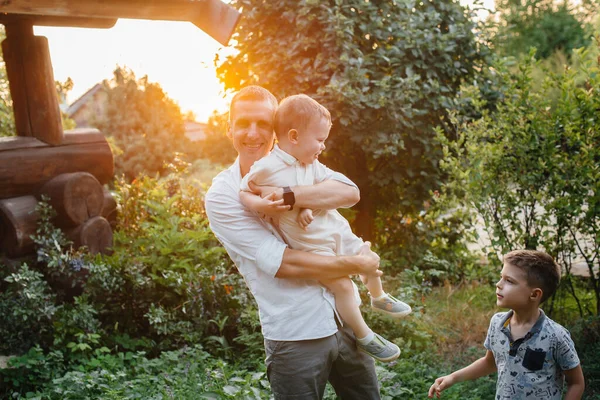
pixel 289 309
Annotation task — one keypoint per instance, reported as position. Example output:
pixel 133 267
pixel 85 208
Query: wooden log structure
pixel 31 82
pixel 18 221
pixel 26 163
pixel 76 197
pixel 109 209
pixel 212 16
pixel 95 234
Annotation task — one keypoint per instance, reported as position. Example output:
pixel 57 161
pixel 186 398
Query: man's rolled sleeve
pixel 270 255
pixel 241 233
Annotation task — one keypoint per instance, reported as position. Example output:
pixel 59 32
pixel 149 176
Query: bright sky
pixel 177 55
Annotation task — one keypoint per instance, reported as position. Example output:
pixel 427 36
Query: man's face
pixel 251 130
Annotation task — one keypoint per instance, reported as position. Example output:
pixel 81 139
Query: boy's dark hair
pixel 253 93
pixel 541 270
pixel 296 112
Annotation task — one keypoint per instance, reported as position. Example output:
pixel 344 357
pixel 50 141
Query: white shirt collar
pixel 285 157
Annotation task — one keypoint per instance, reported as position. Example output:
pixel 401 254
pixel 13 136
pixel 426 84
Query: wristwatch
pixel 288 197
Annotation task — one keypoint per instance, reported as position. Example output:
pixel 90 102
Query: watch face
pixel 288 197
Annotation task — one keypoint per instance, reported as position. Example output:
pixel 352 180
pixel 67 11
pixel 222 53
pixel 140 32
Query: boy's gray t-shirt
pixel 531 367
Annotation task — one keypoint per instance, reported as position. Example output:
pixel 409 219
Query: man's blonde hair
pixel 296 112
pixel 253 93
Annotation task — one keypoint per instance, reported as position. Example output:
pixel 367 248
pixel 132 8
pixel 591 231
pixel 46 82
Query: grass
pixel 453 322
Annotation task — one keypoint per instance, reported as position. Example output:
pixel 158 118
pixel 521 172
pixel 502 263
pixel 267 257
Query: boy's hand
pixel 305 217
pixel 440 384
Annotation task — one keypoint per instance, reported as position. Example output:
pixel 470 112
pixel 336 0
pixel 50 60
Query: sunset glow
pixel 177 55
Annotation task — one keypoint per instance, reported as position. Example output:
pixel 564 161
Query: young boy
pixel 302 125
pixel 532 354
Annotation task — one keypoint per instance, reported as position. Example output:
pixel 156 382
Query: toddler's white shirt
pixel 330 232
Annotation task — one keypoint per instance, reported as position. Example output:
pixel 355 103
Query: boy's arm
pixel 484 366
pixel 575 383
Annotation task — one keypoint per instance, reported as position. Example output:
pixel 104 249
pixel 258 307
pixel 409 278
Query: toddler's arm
pixel 266 206
pixel 484 366
pixel 575 383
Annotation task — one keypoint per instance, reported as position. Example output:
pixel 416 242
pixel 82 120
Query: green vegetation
pixel 444 137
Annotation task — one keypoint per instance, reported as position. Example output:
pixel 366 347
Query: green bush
pixel 166 284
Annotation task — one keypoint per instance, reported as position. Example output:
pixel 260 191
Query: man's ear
pixel 228 131
pixel 536 294
pixel 293 136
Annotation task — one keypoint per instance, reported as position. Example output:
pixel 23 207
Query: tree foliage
pixel 541 24
pixel 387 71
pixel 216 146
pixel 531 168
pixel 145 125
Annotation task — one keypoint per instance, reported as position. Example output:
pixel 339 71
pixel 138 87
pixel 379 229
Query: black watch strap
pixel 289 199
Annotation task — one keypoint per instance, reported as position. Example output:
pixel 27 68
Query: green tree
pixel 145 125
pixel 530 169
pixel 386 70
pixel 541 24
pixel 216 146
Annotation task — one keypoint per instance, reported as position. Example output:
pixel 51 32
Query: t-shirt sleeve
pixel 322 173
pixel 490 334
pixel 566 355
pixel 241 233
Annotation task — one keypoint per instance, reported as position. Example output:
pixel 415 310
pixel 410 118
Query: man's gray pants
pixel 301 369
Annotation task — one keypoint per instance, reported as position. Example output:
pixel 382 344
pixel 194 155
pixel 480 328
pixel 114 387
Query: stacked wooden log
pixel 71 175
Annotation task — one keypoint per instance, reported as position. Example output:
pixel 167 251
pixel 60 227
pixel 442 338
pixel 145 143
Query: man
pixel 305 344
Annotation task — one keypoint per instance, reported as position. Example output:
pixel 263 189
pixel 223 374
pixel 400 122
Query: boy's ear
pixel 293 136
pixel 536 294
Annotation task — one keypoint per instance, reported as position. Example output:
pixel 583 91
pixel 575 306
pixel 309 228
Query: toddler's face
pixel 311 141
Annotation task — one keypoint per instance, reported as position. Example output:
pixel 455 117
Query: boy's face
pixel 311 141
pixel 513 291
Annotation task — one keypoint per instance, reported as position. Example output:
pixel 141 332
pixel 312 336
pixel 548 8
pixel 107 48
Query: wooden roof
pixel 212 16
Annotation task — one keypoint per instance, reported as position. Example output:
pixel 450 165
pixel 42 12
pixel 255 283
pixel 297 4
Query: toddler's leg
pixel 346 305
pixel 383 302
pixel 366 341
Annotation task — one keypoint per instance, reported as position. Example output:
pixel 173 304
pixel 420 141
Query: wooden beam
pixel 26 164
pixel 31 83
pixel 212 16
pixel 50 20
pixel 17 34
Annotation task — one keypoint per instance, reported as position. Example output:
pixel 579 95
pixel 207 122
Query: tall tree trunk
pixel 364 223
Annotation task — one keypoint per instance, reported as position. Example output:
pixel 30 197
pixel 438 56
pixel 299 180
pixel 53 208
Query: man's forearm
pixel 302 265
pixel 327 195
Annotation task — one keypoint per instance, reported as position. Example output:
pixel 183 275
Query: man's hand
pixel 369 264
pixel 264 191
pixel 440 384
pixel 305 217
